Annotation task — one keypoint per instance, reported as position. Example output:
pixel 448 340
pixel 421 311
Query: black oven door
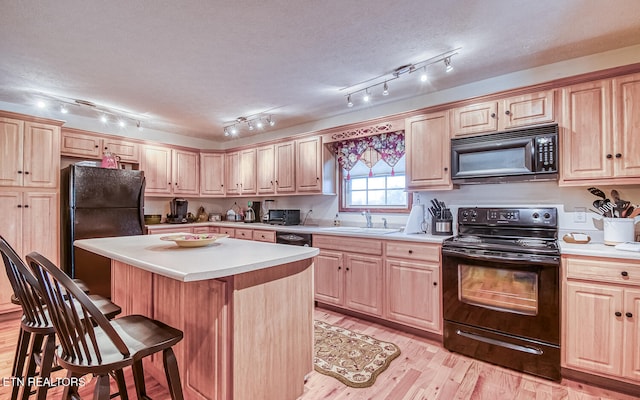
pixel 506 294
pixel 503 310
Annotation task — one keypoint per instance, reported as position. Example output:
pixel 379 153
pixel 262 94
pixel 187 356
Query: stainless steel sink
pixel 361 231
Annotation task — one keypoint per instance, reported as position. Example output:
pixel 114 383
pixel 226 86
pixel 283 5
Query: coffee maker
pixel 178 207
pixel 252 213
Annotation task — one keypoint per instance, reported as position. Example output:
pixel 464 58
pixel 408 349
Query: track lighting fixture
pixel 384 79
pixel 447 64
pixel 257 121
pixel 104 114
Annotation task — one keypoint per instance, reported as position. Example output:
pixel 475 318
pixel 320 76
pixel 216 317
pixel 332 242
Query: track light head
pixel 349 102
pixel 423 76
pixel 366 96
pixel 385 89
pixel 447 63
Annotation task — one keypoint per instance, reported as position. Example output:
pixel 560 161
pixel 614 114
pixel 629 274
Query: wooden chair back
pixel 73 324
pixel 25 288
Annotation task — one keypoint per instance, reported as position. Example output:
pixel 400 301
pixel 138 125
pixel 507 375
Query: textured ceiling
pixel 191 67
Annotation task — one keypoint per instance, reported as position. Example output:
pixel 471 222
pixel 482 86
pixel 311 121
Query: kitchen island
pixel 246 310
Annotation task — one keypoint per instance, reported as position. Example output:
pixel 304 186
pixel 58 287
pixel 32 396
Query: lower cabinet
pixel 349 274
pixel 600 317
pixel 395 280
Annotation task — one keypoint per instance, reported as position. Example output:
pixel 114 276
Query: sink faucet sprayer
pixel 367 215
pixel 384 223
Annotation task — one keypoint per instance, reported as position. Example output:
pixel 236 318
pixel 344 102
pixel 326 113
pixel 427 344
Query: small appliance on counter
pixel 266 206
pixel 178 207
pixel 284 217
pixel 252 213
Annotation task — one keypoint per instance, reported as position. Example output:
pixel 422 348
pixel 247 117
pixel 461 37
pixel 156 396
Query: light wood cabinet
pixel 212 174
pixel 601 330
pixel 170 171
pixel 349 273
pixel 363 285
pixel 78 143
pixel 328 277
pixel 262 235
pixel 412 292
pixel 315 167
pixel 626 124
pixel 276 164
pixel 266 162
pixel 503 114
pixel 428 152
pixel 241 172
pixel 30 154
pixel 599 131
pixel 586 141
pixel 285 167
pixel 30 223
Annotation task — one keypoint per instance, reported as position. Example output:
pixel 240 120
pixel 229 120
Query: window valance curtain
pixel 370 149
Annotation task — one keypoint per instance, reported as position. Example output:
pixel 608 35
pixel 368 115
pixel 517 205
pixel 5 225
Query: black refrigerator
pixel 96 203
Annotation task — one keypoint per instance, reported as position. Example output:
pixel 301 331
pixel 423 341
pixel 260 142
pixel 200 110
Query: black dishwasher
pixel 294 238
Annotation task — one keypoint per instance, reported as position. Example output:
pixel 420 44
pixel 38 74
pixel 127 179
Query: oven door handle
pixel 502 257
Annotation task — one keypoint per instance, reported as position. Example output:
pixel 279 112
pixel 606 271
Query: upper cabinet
pixel 275 171
pixel 30 153
pixel 241 172
pixel 77 143
pixel 170 171
pixel 315 167
pixel 212 174
pixel 428 152
pixel 497 115
pixel 599 122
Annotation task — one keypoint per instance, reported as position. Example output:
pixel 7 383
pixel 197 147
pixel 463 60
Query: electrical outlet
pixel 580 215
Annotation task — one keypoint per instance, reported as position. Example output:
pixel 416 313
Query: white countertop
pixel 224 257
pixel 314 230
pixel 596 249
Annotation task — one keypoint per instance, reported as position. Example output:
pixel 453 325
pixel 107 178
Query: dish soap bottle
pixel 336 220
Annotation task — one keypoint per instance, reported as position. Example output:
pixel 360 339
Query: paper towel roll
pixel 416 217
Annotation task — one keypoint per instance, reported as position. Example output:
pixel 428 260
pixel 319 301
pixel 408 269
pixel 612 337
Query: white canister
pixel 619 230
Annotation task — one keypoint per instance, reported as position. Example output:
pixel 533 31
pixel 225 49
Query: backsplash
pixel 324 208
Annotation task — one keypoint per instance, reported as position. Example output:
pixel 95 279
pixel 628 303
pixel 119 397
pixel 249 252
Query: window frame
pixel 373 209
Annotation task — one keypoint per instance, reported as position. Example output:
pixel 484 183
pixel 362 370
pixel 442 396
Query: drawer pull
pixel 618 314
pixel 435 283
pixel 629 315
pixel 410 251
pixel 624 273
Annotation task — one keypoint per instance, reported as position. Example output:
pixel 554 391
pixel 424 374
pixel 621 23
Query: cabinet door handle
pixel 629 315
pixel 410 251
pixel 435 283
pixel 618 314
pixel 507 112
pixel 26 172
pixel 493 115
pixel 26 206
pixel 19 172
pixel 339 268
pixel 19 205
pixel 96 146
pixel 618 155
pixel 347 268
pixel 624 273
pixel 609 156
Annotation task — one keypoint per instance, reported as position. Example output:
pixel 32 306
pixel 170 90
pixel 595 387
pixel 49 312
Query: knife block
pixel 441 226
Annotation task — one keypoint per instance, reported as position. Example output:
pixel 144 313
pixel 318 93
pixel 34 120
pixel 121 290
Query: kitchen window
pixel 372 173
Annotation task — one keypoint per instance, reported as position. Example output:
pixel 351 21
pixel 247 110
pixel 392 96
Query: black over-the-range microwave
pixel 529 154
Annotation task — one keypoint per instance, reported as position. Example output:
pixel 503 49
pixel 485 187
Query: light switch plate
pixel 580 215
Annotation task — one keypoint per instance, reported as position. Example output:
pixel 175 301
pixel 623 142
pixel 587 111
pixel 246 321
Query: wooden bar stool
pixel 109 345
pixel 36 341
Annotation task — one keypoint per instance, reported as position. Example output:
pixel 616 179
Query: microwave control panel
pixel 546 154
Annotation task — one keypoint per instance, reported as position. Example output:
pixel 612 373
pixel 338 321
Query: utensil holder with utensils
pixel 441 219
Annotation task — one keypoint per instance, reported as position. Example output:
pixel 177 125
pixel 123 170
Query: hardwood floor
pixel 424 371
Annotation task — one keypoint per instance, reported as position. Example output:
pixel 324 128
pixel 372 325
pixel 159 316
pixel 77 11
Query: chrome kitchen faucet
pixel 367 215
